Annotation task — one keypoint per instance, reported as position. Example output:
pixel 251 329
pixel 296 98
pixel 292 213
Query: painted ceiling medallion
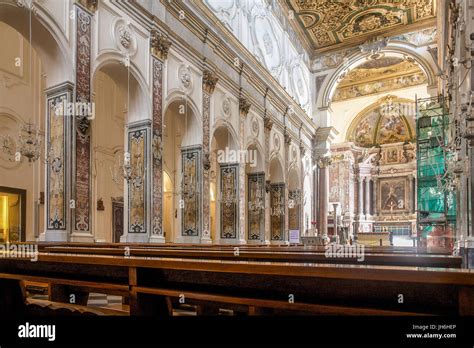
pixel 185 76
pixel 125 38
pixel 330 24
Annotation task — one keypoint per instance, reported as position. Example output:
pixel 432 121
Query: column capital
pixel 209 81
pixel 244 106
pixel 268 123
pixel 159 44
pixel 90 5
pixel 324 161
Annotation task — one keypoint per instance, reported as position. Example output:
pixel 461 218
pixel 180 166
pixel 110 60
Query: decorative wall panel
pixel 157 147
pixel 294 210
pixel 191 191
pixel 229 188
pixel 137 187
pixel 83 141
pixel 277 204
pixel 256 206
pixel 56 183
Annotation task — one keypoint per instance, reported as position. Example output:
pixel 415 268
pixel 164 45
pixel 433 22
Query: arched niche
pixel 182 160
pixel 47 39
pixel 394 50
pixel 224 184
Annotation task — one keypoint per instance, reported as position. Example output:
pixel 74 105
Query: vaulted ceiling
pixel 333 24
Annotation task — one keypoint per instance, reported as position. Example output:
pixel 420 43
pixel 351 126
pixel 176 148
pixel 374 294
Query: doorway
pixel 12 215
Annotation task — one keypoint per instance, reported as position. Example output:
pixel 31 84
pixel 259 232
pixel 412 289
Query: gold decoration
pixel 159 44
pixel 209 81
pixel 90 5
pixel 381 75
pixel 330 23
pixel 244 106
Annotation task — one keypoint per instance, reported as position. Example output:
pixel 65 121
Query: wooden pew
pixel 307 256
pixel 260 248
pixel 254 287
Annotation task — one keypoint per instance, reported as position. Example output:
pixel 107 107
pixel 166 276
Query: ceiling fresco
pixel 332 24
pixel 377 76
pixel 385 122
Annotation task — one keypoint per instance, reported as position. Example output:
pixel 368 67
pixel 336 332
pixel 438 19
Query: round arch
pixel 396 50
pixel 277 174
pixel 111 63
pixel 177 96
pixel 47 39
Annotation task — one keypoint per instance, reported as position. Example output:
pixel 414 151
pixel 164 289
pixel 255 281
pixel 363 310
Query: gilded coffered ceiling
pixel 332 24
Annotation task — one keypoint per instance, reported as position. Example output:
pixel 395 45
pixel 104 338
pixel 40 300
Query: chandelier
pixel 124 170
pixel 28 145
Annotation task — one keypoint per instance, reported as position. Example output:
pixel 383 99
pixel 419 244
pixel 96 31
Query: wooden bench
pixel 256 288
pixel 308 256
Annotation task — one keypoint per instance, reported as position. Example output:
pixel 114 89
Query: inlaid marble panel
pixel 228 200
pixel 191 191
pixel 256 209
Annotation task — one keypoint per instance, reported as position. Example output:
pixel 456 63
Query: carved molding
pixel 244 107
pixel 209 81
pixel 159 44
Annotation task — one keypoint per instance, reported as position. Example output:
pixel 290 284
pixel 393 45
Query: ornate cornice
pixel 159 44
pixel 209 81
pixel 244 106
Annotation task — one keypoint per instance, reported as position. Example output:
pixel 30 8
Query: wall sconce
pixel 267 186
pixel 100 205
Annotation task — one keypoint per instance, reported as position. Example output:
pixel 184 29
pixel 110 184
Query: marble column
pixel 361 197
pixel 209 82
pixel 159 49
pixel 321 150
pixel 368 197
pixel 374 197
pixel 323 165
pixel 268 124
pixel 80 202
pixel 244 107
pixel 287 137
pixel 356 203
